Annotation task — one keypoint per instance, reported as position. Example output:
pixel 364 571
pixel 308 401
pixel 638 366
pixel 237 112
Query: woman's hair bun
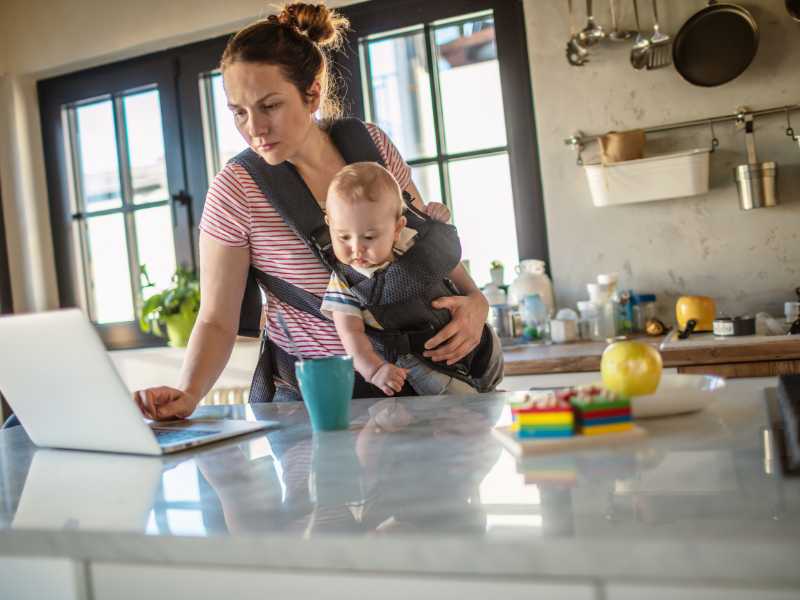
pixel 321 25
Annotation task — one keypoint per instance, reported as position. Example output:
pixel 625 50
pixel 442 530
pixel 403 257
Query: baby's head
pixel 365 214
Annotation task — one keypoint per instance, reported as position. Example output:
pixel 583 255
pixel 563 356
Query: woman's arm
pixel 223 273
pixel 463 333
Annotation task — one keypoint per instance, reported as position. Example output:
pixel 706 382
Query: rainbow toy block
pixel 543 416
pixel 598 410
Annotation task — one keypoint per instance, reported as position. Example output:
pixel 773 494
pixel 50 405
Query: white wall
pixel 748 261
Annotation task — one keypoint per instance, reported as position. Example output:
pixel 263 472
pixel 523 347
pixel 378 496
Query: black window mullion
pixel 78 206
pixel 438 117
pixel 128 206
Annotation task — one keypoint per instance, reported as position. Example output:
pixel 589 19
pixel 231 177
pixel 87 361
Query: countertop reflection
pixel 411 477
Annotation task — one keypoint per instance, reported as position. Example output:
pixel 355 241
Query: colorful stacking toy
pixel 598 410
pixel 543 416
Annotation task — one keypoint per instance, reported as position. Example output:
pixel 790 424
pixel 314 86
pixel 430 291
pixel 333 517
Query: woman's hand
pixel 164 403
pixel 463 333
pixel 437 211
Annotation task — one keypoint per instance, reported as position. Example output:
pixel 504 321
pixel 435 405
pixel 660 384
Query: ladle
pixel 592 33
pixel 616 35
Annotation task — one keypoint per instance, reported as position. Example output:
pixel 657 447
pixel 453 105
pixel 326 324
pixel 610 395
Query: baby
pixel 368 230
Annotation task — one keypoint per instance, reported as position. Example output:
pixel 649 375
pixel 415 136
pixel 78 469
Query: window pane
pixel 426 178
pixel 401 94
pixel 146 147
pixel 108 257
pixel 229 140
pixel 97 148
pixel 469 80
pixel 483 211
pixel 156 246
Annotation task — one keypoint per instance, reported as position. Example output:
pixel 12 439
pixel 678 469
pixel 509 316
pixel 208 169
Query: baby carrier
pixel 398 296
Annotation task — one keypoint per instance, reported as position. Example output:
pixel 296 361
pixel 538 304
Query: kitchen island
pixel 418 497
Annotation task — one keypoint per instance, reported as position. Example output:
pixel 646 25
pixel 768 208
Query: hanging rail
pixel 579 140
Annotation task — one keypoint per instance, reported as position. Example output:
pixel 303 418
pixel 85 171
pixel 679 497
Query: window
pixel 130 147
pixel 126 175
pixel 450 85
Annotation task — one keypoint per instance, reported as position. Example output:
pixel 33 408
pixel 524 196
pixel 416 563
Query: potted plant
pixel 496 272
pixel 175 308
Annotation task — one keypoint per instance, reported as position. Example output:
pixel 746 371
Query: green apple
pixel 631 368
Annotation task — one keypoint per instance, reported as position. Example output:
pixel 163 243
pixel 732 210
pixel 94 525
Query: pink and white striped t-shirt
pixel 237 213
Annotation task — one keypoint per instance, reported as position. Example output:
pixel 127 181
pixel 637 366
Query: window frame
pixel 176 72
pixel 378 16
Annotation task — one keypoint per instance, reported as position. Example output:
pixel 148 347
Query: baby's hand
pixel 437 211
pixel 389 378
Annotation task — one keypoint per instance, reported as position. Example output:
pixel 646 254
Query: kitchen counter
pixel 417 495
pixel 702 353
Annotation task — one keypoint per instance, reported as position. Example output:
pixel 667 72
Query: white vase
pixel 497 276
pixel 532 279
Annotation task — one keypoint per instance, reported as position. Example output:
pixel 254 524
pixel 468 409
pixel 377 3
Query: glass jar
pixel 644 309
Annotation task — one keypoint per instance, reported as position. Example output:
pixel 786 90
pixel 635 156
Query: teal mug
pixel 326 385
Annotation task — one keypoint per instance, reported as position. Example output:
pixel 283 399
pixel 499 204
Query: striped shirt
pixel 237 214
pixel 339 298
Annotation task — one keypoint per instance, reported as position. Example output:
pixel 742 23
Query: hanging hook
pixel 576 141
pixel 789 130
pixel 714 140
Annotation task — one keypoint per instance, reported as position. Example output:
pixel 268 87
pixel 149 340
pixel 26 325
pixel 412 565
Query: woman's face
pixel 268 110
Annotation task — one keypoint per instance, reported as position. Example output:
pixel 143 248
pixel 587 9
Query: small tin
pixel 727 326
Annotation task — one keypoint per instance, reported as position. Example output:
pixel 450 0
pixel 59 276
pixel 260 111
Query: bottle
pixel 588 324
pixel 535 318
pixel 623 314
pixel 600 296
pixel 643 308
pixel 532 279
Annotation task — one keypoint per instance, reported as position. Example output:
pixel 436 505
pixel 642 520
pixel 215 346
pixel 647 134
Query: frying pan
pixel 715 45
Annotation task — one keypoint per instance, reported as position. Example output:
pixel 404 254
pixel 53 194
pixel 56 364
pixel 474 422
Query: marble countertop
pixel 421 485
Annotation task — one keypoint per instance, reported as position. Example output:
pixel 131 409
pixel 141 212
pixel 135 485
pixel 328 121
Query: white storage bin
pixel 653 178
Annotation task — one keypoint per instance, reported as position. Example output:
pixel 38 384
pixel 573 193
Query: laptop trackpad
pixel 168 436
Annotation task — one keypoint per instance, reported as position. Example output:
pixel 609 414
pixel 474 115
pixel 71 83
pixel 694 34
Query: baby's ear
pixel 401 222
pixel 327 222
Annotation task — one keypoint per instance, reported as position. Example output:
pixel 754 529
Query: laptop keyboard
pixel 167 437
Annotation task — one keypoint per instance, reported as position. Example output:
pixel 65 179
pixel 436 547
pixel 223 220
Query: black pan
pixel 715 45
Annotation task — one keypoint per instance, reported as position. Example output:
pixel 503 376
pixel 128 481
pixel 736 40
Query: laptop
pixel 58 378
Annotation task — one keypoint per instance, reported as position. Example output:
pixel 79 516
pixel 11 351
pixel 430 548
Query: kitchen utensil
pixel 715 45
pixel 736 326
pixel 592 33
pixel 700 308
pixel 577 55
pixel 793 8
pixel 617 35
pixel 677 394
pixel 755 181
pixel 658 54
pixel 641 44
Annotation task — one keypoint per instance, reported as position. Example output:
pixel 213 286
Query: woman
pixel 276 78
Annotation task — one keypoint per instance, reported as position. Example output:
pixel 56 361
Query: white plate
pixel 678 394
